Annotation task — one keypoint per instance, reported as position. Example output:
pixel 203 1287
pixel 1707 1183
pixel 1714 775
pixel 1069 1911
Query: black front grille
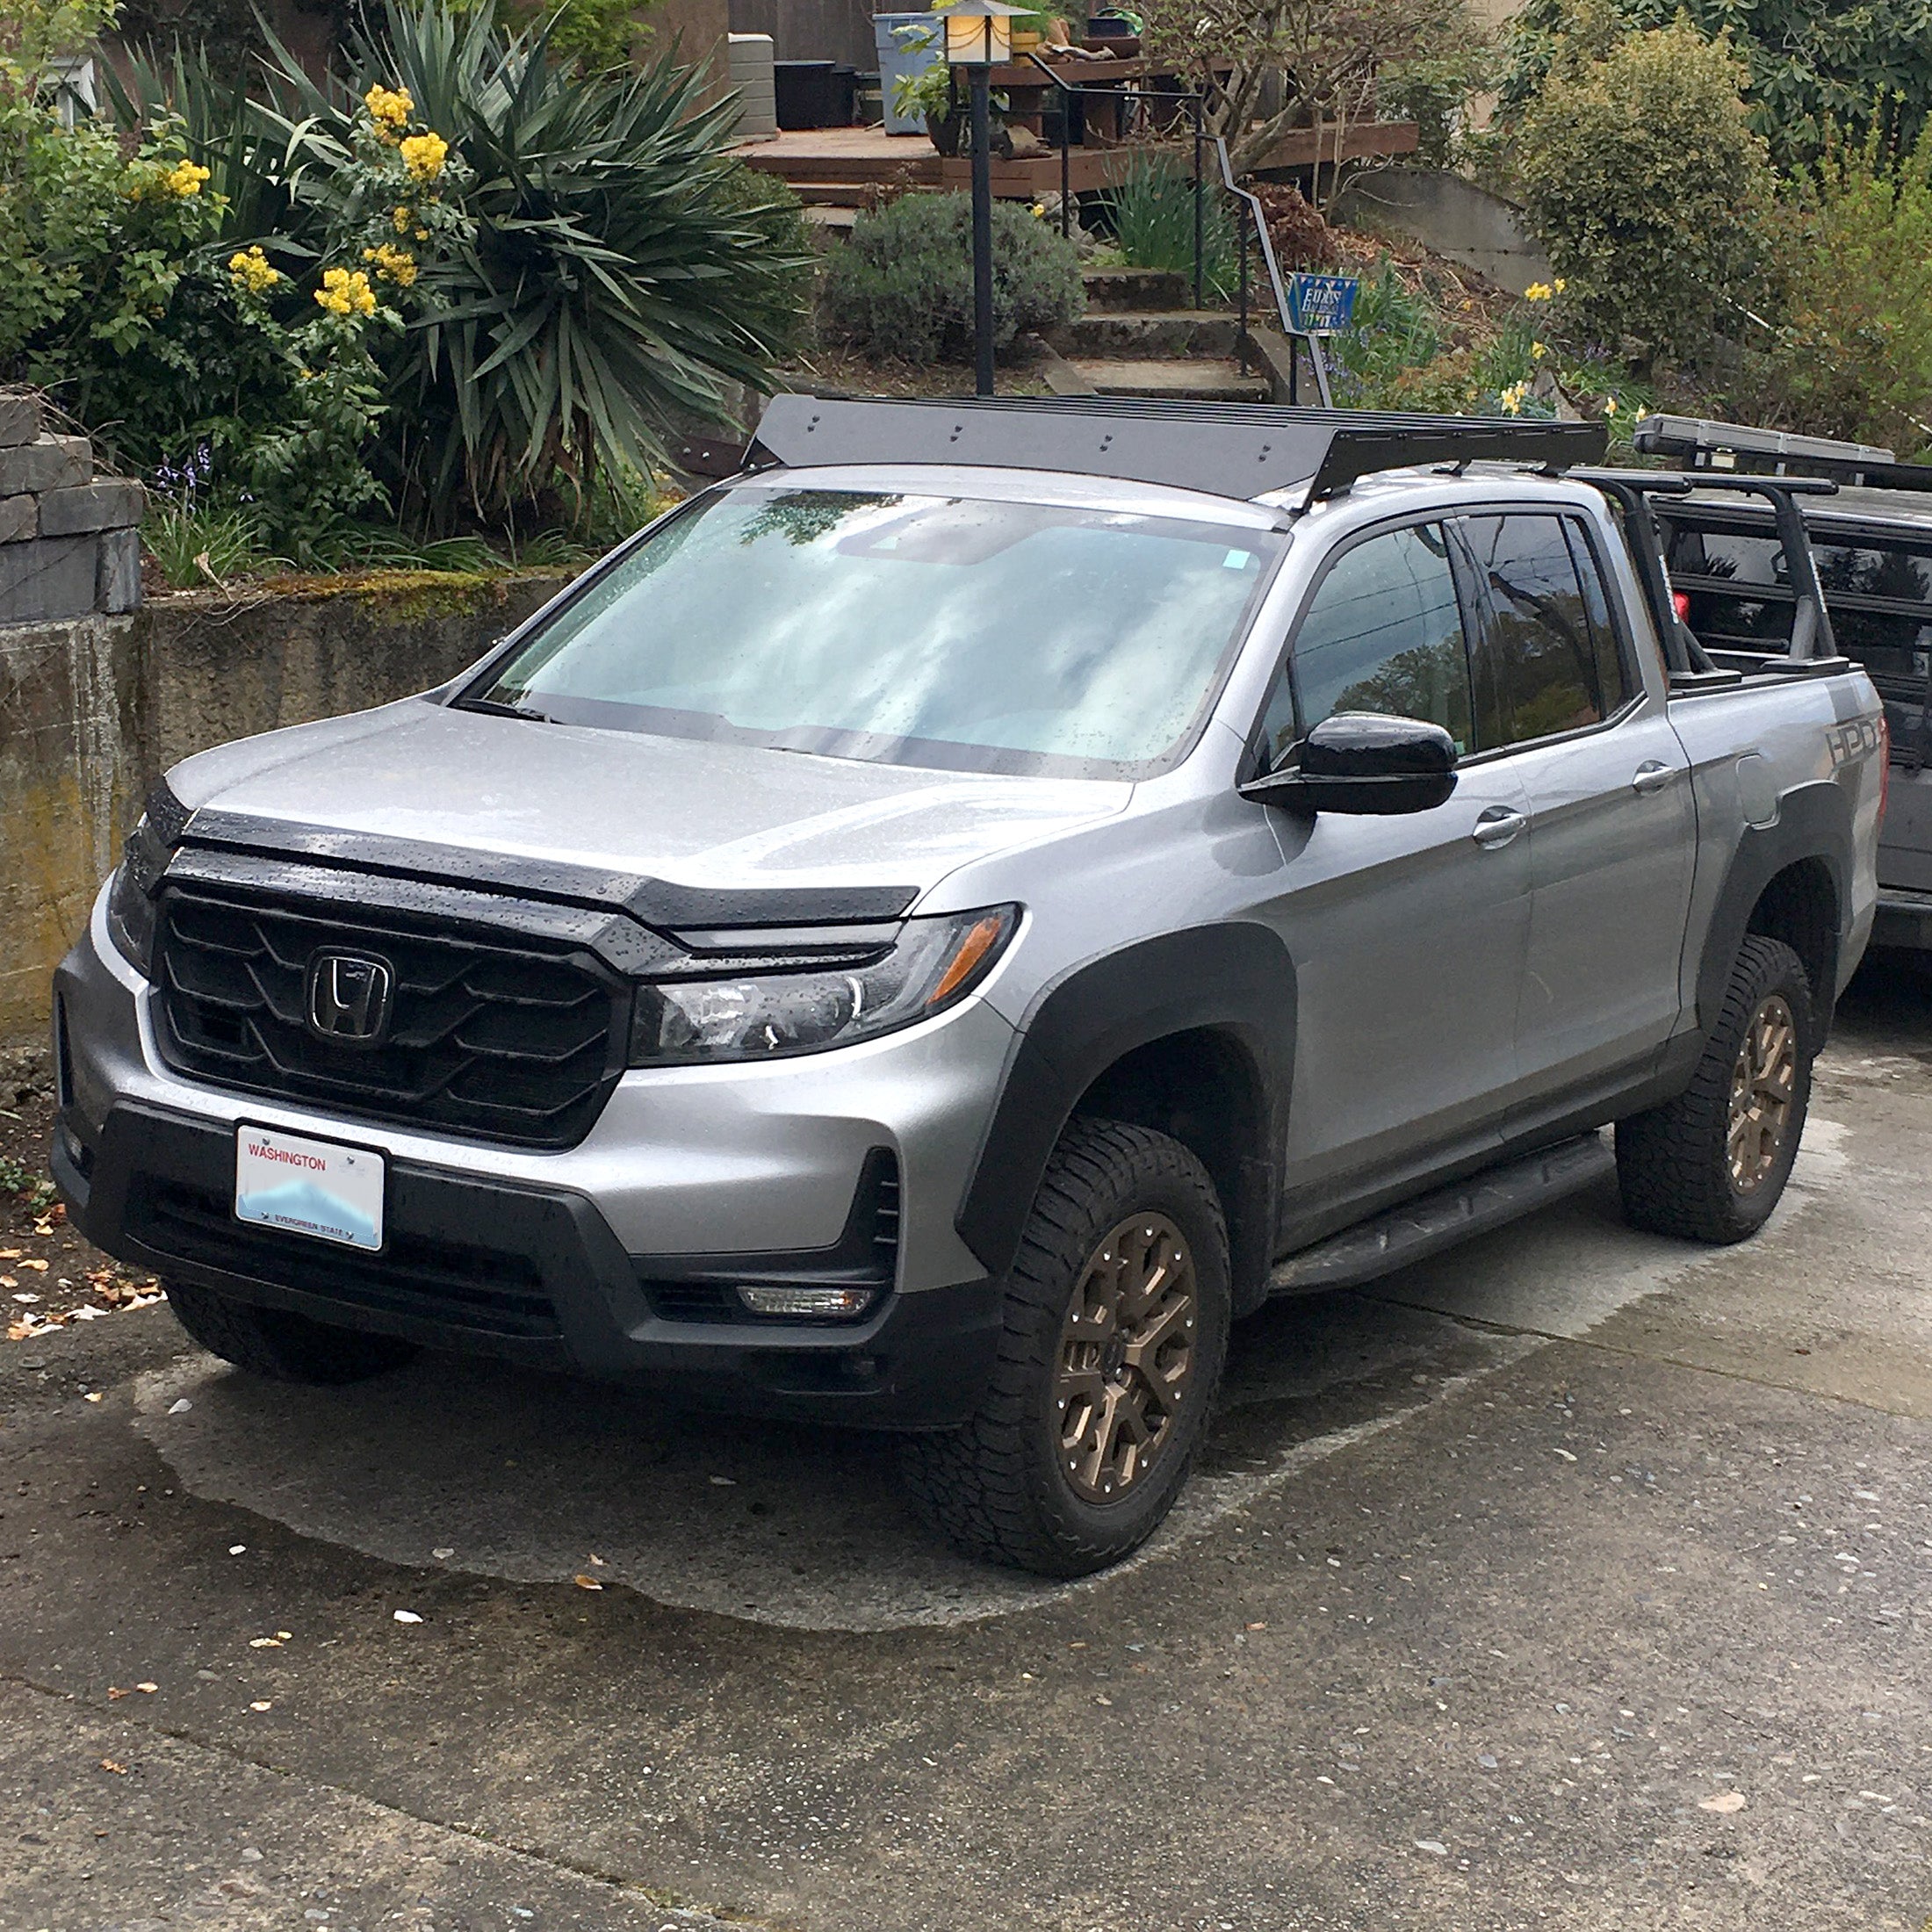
pixel 492 1035
pixel 454 1284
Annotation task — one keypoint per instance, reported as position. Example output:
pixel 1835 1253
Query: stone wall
pixel 94 708
pixel 69 544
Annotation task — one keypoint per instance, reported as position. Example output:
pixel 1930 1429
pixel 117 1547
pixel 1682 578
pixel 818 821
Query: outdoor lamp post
pixel 979 33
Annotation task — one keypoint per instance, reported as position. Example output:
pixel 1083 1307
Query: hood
pixel 693 813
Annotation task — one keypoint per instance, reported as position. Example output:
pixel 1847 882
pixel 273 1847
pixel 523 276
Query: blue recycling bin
pixel 901 57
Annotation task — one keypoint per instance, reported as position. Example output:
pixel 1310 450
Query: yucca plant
pixel 616 275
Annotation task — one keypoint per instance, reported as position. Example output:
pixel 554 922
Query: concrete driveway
pixel 1577 1579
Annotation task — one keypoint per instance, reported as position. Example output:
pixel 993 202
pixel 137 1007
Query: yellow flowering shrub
pixel 398 264
pixel 389 109
pixel 252 271
pixel 424 155
pixel 346 292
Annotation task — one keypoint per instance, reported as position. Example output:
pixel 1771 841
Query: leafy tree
pixel 1643 180
pixel 1811 64
pixel 1853 353
pixel 1328 53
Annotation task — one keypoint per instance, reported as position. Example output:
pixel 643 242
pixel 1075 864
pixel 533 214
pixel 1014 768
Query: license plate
pixel 318 1188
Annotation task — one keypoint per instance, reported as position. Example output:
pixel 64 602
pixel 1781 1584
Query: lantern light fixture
pixel 979 32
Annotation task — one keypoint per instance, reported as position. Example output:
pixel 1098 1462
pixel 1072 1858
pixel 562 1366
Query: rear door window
pixel 1539 670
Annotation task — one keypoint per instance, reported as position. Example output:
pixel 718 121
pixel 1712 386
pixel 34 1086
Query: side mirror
pixel 1366 764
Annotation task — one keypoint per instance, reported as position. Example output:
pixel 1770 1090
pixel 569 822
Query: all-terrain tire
pixel 999 1487
pixel 1673 1163
pixel 279 1345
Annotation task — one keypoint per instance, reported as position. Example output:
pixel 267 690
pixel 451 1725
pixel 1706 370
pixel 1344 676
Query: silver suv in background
pixel 940 926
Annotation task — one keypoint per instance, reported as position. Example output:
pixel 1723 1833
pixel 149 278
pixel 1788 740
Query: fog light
pixel 837 1303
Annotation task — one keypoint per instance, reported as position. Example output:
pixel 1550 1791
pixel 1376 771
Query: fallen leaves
pixel 108 1764
pixel 1724 1804
pixel 586 1582
pixel 107 1291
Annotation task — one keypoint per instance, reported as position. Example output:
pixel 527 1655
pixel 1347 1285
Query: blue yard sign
pixel 1321 305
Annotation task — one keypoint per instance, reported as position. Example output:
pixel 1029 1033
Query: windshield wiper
pixel 490 708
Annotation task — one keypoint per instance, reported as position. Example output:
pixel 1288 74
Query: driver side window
pixel 1383 633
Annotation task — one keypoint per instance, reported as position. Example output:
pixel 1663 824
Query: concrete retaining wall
pixel 93 710
pixel 1454 217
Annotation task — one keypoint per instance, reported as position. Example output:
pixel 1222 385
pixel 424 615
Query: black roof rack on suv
pixel 1702 444
pixel 1233 450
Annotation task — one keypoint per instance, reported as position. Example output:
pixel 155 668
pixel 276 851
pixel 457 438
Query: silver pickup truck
pixel 944 923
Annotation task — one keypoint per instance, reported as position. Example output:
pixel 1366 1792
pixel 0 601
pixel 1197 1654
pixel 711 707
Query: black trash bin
pixel 813 94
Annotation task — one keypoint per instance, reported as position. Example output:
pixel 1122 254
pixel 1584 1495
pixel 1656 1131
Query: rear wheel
pixel 1712 1164
pixel 279 1345
pixel 1116 1319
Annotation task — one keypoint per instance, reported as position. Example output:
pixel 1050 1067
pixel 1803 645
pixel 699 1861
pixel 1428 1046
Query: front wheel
pixel 278 1344
pixel 1712 1164
pixel 1116 1316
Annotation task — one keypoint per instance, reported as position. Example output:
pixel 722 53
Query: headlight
pixel 935 963
pixel 131 897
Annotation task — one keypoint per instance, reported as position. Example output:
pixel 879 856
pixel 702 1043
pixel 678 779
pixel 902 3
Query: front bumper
pixel 545 1257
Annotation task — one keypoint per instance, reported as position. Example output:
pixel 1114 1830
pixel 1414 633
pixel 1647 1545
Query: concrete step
pixel 835 194
pixel 1169 378
pixel 1146 334
pixel 1111 290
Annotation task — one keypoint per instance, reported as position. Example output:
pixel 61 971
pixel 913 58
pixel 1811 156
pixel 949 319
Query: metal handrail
pixel 1197 104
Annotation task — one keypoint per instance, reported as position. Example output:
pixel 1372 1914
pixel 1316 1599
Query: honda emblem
pixel 349 996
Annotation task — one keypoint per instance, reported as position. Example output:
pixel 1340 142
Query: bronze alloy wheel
pixel 1763 1082
pixel 1126 1357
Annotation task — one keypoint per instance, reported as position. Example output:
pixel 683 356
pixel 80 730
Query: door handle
pixel 1498 826
pixel 1652 776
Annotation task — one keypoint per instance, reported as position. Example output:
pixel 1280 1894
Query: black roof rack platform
pixel 1233 450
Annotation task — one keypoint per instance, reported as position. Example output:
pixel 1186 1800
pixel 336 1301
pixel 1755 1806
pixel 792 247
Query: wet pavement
pixel 1575 1578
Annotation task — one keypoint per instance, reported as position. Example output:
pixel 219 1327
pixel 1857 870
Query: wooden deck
pixel 839 166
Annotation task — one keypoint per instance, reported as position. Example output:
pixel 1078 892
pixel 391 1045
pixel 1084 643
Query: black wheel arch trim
pixel 1235 979
pixel 1813 822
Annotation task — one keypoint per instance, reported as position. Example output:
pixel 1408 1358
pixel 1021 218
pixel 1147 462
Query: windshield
pixel 967 634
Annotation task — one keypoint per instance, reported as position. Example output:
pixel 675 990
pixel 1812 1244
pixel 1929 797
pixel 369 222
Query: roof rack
pixel 1705 445
pixel 1233 450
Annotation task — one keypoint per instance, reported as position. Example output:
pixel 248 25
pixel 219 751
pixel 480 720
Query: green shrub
pixel 903 286
pixel 1434 91
pixel 1853 355
pixel 1153 212
pixel 1812 64
pixel 1649 191
pixel 596 32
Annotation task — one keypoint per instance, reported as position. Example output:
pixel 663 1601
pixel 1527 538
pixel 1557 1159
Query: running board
pixel 1492 1198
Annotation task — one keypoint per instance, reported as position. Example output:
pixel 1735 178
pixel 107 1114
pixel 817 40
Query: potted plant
pixel 930 93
